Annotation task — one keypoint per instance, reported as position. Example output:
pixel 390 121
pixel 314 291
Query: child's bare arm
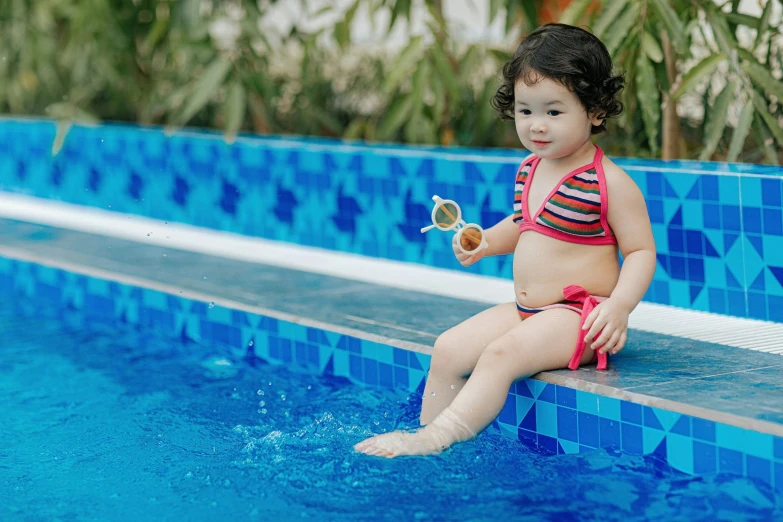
pixel 630 223
pixel 502 238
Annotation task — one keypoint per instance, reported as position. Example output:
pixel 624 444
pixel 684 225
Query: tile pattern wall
pixel 718 227
pixel 550 418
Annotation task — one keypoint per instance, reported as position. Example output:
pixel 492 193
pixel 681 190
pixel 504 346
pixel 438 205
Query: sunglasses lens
pixel 471 238
pixel 446 215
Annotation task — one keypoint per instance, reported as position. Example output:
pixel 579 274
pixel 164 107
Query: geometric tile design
pixel 718 227
pixel 549 418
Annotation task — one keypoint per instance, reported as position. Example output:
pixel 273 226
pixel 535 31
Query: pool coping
pixel 556 378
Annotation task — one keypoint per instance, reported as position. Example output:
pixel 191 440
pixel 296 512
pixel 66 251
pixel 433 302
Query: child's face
pixel 550 120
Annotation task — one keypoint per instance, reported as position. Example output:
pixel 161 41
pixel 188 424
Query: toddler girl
pixel 574 210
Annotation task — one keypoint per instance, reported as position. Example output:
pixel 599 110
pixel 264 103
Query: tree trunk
pixel 672 140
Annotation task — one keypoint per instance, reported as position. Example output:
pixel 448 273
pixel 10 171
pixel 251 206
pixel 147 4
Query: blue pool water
pixel 111 424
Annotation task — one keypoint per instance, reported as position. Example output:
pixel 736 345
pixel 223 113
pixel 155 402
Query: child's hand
pixel 463 259
pixel 611 316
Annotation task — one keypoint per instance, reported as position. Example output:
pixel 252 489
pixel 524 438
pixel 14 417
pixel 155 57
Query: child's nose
pixel 538 127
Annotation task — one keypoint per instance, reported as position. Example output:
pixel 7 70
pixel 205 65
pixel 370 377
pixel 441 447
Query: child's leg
pixel 542 342
pixel 456 353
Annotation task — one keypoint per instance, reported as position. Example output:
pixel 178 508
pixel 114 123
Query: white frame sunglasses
pixel 452 220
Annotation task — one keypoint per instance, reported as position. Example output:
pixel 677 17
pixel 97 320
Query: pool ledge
pixel 716 383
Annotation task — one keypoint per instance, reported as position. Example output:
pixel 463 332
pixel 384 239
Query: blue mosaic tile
pixel 703 429
pixel 609 433
pixel 632 441
pixel 630 412
pixel 758 468
pixel 567 424
pixel 566 397
pixel 704 458
pixel 730 461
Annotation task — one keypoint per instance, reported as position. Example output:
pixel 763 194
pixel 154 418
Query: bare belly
pixel 543 266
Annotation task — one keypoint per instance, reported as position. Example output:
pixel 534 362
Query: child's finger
pixel 595 328
pixel 603 337
pixel 621 342
pixel 611 343
pixel 590 319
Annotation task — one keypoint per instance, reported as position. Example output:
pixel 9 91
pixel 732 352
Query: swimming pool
pixel 133 393
pixel 113 423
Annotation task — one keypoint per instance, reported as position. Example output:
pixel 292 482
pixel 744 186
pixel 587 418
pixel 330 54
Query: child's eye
pixel 526 112
pixel 553 113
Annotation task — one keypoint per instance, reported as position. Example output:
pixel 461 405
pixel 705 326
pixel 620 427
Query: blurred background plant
pixel 703 78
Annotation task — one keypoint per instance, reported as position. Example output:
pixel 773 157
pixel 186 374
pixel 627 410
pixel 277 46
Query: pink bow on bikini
pixel 589 302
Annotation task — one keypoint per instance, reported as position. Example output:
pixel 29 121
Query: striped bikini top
pixel 574 211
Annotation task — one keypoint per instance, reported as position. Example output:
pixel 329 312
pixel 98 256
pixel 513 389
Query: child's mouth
pixel 541 144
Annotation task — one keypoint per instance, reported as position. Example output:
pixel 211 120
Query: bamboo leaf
pixel 531 13
pixel 401 7
pixel 234 110
pixel 765 141
pixel 204 89
pixel 575 12
pixel 404 64
pixel 494 9
pixel 608 16
pixel 63 126
pixel 762 110
pixel 442 65
pixel 743 19
pixel 674 25
pixel 621 28
pixel 651 47
pixel 763 23
pixel 342 34
pixel 649 101
pixel 395 117
pixel 355 129
pixel 720 28
pixel 762 78
pixel 741 131
pixel 716 121
pixel 698 72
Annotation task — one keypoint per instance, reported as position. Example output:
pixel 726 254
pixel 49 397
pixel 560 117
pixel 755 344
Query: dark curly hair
pixel 570 56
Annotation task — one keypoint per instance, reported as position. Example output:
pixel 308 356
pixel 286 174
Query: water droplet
pixel 269 383
pixel 149 234
pixel 453 386
pixel 165 255
pixel 432 393
pixel 189 474
pixel 263 411
pixel 250 343
pixel 261 403
pixel 259 410
pixel 260 392
pixel 309 387
pixel 205 277
pixel 212 305
pixel 282 396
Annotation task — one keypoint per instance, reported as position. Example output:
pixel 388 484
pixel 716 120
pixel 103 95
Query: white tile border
pixel 751 334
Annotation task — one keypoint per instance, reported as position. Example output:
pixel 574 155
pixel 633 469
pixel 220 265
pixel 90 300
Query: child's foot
pixel 445 430
pixel 398 443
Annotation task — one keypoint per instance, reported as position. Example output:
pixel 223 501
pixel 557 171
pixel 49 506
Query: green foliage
pixel 224 64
